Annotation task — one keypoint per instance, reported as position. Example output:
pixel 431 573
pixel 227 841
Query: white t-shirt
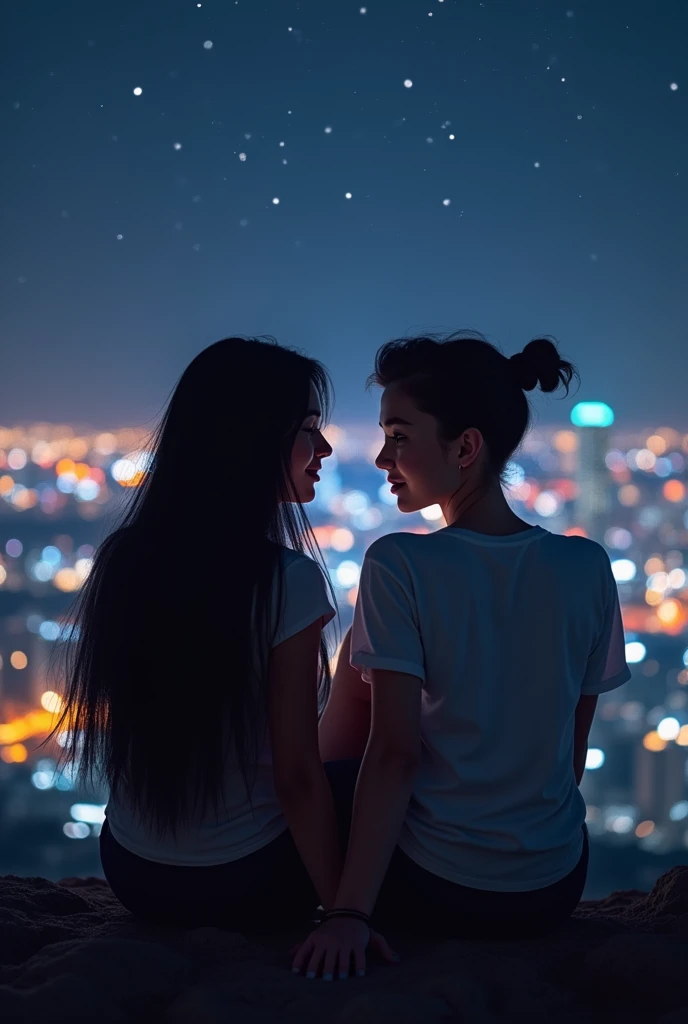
pixel 241 830
pixel 506 633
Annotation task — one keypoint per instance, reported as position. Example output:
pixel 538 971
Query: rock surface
pixel 69 951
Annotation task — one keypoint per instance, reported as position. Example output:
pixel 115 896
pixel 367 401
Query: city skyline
pixel 547 412
pixel 58 496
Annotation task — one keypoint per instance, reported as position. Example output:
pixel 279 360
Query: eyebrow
pixel 396 421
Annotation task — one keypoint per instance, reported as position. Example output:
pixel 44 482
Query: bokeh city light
pixel 625 490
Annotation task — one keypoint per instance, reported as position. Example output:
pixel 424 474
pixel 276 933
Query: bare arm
pixel 585 712
pixel 384 787
pixel 345 724
pixel 300 782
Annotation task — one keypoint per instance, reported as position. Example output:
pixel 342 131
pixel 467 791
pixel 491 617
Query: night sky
pixel 532 179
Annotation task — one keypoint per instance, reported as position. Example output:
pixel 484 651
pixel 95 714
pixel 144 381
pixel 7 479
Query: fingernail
pixel 343 976
pixel 360 974
pixel 310 975
pixel 327 977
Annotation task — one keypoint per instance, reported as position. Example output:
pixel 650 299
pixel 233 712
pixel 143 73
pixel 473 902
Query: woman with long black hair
pixel 198 665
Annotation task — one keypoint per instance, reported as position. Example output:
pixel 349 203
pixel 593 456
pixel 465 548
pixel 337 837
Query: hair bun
pixel 540 363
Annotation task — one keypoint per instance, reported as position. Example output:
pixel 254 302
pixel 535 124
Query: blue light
pixel 43 780
pixel 623 570
pixel 635 652
pixel 347 573
pixel 87 490
pixel 368 519
pixel 355 501
pixel 51 555
pixel 592 414
pixel 43 571
pixel 594 759
pixel 385 495
pixel 91 814
pixel 67 483
pixel 679 811
pixel 49 630
pixel 76 830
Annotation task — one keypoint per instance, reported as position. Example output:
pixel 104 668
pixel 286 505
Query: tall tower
pixel 593 420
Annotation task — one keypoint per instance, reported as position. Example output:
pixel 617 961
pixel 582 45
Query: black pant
pixel 270 889
pixel 413 899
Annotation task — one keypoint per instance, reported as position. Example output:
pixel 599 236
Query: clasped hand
pixel 337 948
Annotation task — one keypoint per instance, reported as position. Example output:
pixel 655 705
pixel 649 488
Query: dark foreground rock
pixel 70 952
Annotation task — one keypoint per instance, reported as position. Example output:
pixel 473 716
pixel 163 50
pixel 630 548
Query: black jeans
pixel 270 889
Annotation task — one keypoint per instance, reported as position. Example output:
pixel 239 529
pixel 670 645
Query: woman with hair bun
pixel 481 650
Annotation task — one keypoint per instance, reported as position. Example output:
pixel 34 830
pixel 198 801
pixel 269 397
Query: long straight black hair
pixel 166 676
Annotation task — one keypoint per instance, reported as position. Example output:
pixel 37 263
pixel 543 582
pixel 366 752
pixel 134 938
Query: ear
pixel 469 445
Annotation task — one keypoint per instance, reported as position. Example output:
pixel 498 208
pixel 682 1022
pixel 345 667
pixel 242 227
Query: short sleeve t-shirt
pixel 506 634
pixel 242 829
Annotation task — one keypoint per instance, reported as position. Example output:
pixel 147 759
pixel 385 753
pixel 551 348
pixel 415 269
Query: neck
pixel 482 507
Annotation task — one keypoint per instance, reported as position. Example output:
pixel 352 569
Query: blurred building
pixel 593 501
pixel 60 488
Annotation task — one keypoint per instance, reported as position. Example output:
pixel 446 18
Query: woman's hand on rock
pixel 337 949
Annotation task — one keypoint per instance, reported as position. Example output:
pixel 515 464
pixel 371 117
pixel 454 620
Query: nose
pixel 323 449
pixel 383 460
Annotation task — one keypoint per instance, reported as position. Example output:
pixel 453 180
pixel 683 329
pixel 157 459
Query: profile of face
pixel 308 451
pixel 422 468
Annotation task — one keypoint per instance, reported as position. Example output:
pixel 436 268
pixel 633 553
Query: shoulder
pixel 291 559
pixel 577 549
pixel 582 560
pixel 300 568
pixel 393 549
pixel 398 556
